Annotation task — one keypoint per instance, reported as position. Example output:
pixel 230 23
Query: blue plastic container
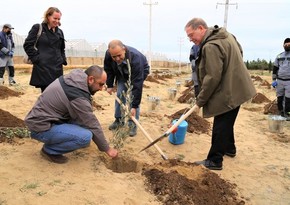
pixel 178 137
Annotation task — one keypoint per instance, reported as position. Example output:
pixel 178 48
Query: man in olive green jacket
pixel 225 84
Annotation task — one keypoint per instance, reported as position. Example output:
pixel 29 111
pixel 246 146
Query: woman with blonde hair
pixel 45 47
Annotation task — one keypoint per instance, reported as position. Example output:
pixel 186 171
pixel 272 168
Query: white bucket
pixel 153 102
pixel 276 123
pixel 172 93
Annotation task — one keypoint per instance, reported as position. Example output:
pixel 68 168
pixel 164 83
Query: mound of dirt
pixel 8 120
pixel 266 84
pixel 10 127
pixel 187 97
pixel 6 92
pixel 176 182
pixel 189 83
pixel 257 78
pixel 271 108
pixel 260 98
pixel 196 123
pixel 150 78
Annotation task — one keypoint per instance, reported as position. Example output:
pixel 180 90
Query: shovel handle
pixel 183 117
pixel 143 130
pixel 149 138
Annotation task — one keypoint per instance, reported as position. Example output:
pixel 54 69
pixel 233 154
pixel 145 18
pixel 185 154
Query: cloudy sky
pixel 259 25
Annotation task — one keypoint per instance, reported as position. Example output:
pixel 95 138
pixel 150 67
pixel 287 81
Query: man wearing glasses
pixel 63 119
pixel 224 82
pixel 115 64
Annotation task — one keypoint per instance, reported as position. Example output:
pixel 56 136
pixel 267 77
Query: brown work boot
pixel 56 158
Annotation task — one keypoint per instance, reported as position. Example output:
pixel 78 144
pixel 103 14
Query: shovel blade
pixel 155 141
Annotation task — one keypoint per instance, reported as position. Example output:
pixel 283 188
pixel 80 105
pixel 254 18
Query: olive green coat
pixel 224 79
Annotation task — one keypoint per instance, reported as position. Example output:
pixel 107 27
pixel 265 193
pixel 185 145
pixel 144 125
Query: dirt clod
pixel 260 98
pixel 176 182
pixel 196 123
pixel 6 92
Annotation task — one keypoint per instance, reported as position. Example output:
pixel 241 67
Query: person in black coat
pixel 48 57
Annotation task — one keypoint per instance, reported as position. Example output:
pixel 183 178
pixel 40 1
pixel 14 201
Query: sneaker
pixel 210 164
pixel 133 130
pixel 116 124
pixel 12 82
pixel 58 158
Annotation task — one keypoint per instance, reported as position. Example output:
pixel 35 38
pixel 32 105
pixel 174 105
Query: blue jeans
pixel 121 86
pixel 63 138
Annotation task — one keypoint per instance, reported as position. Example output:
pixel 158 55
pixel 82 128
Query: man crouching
pixel 63 119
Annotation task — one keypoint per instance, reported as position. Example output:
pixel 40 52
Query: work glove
pixel 10 53
pixel 274 84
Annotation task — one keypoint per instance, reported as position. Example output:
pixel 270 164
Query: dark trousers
pixel 223 139
pixel 11 71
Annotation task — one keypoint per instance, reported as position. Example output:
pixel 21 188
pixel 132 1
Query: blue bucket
pixel 178 137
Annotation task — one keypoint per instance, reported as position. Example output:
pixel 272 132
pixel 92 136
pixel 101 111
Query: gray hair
pixel 115 43
pixel 195 22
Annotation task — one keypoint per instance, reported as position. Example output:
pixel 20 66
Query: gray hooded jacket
pixel 67 100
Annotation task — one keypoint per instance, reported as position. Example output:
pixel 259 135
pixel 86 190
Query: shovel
pixel 143 130
pixel 183 117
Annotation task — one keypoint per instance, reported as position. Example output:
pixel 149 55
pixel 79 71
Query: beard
pixel 92 92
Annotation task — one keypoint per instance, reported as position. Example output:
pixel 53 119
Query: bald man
pixel 63 118
pixel 115 64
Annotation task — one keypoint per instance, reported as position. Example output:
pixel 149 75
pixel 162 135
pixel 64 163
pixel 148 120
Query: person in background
pixel 63 119
pixel 192 58
pixel 49 58
pixel 6 54
pixel 225 84
pixel 281 80
pixel 115 65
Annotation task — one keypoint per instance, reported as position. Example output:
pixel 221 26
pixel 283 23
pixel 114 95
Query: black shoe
pixel 210 164
pixel 59 159
pixel 231 153
pixel 116 124
pixel 133 130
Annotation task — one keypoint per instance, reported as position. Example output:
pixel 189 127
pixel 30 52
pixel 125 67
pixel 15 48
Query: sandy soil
pixel 259 174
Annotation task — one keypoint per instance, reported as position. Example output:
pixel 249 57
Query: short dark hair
pixel 95 71
pixel 287 40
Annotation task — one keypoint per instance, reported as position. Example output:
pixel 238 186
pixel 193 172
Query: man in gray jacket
pixel 224 82
pixel 63 119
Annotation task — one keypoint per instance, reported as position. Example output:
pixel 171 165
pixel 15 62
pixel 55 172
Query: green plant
pixel 11 132
pixel 29 186
pixel 122 132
